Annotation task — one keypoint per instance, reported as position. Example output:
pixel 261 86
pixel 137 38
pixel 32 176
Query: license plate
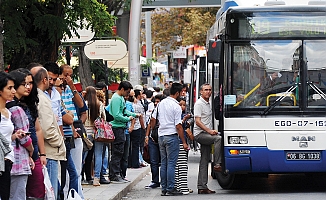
pixel 303 156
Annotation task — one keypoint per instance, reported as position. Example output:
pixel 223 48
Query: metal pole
pixel 148 27
pixel 106 83
pixel 68 57
pixel 133 42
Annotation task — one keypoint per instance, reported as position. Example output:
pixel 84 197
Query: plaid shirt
pixel 21 163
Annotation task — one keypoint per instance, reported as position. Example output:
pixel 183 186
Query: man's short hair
pixel 202 86
pixel 40 75
pixel 149 94
pixel 176 87
pixel 166 92
pixel 125 85
pixel 52 67
pixel 100 85
pixel 33 64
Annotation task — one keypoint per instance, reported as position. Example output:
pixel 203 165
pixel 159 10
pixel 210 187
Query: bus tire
pixel 231 181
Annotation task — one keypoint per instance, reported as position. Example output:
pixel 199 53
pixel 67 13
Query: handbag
pixel 49 192
pixel 73 195
pixel 146 154
pixel 154 131
pixel 103 131
pixel 80 129
pixel 87 144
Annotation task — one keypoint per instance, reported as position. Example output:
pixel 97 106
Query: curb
pixel 125 190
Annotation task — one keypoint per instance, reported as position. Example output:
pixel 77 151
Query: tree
pixel 181 26
pixel 34 32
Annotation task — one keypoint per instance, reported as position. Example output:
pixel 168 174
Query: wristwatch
pixel 74 91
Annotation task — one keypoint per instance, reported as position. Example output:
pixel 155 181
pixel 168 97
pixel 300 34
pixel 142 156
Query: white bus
pixel 271 102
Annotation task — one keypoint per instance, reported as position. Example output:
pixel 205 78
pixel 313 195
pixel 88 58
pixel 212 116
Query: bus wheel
pixel 231 181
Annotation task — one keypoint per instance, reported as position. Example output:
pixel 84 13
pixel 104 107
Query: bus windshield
pixel 263 71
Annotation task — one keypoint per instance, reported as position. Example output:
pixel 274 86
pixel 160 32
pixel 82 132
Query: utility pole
pixel 133 42
pixel 149 54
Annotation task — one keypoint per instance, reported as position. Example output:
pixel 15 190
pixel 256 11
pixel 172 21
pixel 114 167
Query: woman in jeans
pixel 95 109
pixel 7 93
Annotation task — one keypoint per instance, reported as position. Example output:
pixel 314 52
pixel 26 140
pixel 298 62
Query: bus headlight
pixel 238 140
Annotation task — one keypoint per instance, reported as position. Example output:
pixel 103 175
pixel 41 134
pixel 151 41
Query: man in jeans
pixel 121 117
pixel 169 117
pixel 206 136
pixel 55 149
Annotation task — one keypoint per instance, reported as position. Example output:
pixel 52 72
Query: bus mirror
pixel 214 51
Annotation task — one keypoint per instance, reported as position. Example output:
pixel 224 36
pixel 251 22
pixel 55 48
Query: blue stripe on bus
pixel 263 160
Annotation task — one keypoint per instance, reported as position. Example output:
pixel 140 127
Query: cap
pixel 151 89
pixel 138 87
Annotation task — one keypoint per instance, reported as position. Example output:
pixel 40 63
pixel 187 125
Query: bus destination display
pixel 281 26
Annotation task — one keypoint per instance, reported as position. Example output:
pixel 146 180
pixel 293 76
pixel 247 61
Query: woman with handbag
pixel 95 110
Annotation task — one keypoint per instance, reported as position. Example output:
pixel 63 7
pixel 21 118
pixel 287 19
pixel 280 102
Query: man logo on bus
pixel 303 138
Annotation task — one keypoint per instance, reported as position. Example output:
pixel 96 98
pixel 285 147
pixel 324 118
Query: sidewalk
pixel 115 191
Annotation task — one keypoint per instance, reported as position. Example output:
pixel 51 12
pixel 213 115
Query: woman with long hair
pixel 35 187
pixel 95 110
pixel 23 148
pixel 7 136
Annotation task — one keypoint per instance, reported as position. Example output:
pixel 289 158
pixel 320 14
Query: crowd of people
pixel 43 115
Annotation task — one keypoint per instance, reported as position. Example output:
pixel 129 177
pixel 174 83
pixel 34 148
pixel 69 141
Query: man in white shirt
pixel 169 117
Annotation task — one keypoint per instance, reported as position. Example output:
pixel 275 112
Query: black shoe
pixel 104 181
pixel 163 193
pixel 174 192
pixel 152 185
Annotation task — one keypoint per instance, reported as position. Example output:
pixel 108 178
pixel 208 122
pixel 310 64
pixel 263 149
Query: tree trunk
pixel 85 74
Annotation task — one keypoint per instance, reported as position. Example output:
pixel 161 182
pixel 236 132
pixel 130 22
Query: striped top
pixel 66 97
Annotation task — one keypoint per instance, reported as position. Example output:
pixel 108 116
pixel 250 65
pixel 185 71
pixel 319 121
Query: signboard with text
pixel 181 52
pixel 105 49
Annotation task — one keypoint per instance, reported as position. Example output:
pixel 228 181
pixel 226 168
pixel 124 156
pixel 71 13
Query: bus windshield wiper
pixel 278 100
pixel 317 90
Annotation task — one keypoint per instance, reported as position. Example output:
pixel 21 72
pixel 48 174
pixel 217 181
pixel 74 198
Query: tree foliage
pixel 181 26
pixel 33 29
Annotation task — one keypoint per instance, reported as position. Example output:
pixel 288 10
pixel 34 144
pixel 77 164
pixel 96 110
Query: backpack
pixel 145 104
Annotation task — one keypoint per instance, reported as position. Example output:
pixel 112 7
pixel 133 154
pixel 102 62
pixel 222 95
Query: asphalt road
pixel 293 186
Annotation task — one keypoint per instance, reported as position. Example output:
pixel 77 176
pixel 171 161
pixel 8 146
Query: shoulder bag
pixel 103 130
pixel 154 132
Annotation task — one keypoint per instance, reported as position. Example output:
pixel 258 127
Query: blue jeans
pixel 69 165
pixel 169 149
pixel 134 150
pixel 154 156
pixel 52 166
pixel 105 157
pixel 98 152
pixel 124 160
